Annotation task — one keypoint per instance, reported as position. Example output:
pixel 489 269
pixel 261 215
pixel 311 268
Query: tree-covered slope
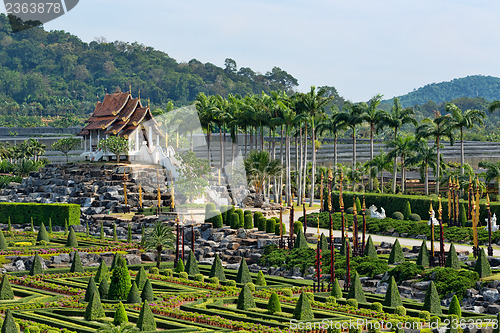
pixel 55 73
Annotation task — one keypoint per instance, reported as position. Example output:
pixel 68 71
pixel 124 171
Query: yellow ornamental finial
pixel 354 208
pixel 317 216
pixel 130 89
pixel 330 174
pixel 430 209
pixel 149 101
pixel 139 95
pixel 487 198
pixel 364 203
pixel 440 209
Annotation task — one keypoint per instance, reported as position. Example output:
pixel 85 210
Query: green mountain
pixel 51 74
pixel 487 87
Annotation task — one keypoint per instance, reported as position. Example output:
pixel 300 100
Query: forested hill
pixel 487 87
pixel 55 73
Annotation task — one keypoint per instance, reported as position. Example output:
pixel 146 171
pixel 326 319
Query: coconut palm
pixel 395 119
pixel 425 156
pixel 380 163
pixel 402 147
pixel 206 112
pixel 260 168
pixel 495 105
pixel 492 172
pixel 438 128
pixel 158 237
pixel 333 125
pixel 463 119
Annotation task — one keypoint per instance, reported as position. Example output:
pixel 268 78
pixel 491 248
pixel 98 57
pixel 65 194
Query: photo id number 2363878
pixel 33 7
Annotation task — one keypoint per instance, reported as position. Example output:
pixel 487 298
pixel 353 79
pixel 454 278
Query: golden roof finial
pixel 354 208
pixel 440 209
pixel 364 203
pixel 130 89
pixel 487 198
pixel 139 95
pixel 148 102
pixel 430 209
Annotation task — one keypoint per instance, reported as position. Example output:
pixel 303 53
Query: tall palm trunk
pixel 246 140
pixel 296 163
pixel 221 149
pixel 382 181
pixel 208 146
pixel 313 171
pixel 299 173
pixel 462 152
pixel 426 168
pixel 288 164
pixel 281 159
pixel 395 170
pixel 304 175
pixel 261 137
pixel 403 180
pixel 370 180
pixel 438 167
pixel 335 152
pixel 353 152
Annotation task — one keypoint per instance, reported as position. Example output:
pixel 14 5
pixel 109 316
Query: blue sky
pixel 362 47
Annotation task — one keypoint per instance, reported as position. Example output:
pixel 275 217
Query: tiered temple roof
pixel 119 114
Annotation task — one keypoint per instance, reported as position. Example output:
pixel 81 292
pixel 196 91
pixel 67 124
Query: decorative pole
pixel 177 241
pixel 318 261
pixel 332 247
pixel 290 242
pixel 192 237
pixel 475 220
pixel 363 209
pixel 305 217
pixel 341 203
pixel 441 238
pixel 125 201
pixel 453 190
pixel 348 254
pixel 457 195
pixel 355 230
pixel 321 195
pixel 282 245
pixel 182 230
pixel 450 221
pixel 159 200
pixel 431 214
pixel 172 198
pixel 490 249
pixel 140 195
pixel 469 209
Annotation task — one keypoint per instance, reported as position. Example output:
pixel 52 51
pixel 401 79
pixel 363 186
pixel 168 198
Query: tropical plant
pixel 158 237
pixel 260 168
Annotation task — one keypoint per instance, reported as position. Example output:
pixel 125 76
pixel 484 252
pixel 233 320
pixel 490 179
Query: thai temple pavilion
pixel 121 114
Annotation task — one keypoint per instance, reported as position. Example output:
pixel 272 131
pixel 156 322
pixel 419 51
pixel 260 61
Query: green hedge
pixel 22 213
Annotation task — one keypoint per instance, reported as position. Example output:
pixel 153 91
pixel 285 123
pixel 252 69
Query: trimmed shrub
pixel 431 301
pixel 209 208
pixel 256 217
pixel 245 299
pixel 243 275
pixel 248 221
pixel 423 255
pixel 303 310
pixel 336 291
pixel 344 246
pixel 141 278
pixel 310 295
pixel 146 320
pixel 217 270
pixel 241 218
pixel 407 211
pixel 353 302
pixel 133 296
pixel 415 217
pixel 71 240
pixel 120 281
pixel 115 235
pixel 398 216
pixel 482 266
pixel 147 293
pixel 277 229
pixel 104 288
pixel 179 267
pixel 261 280
pixel 36 266
pixel 3 242
pixel 91 289
pixel 183 275
pixel 297 226
pixel 462 215
pixel 251 286
pixel 42 234
pixel 199 277
pixel 129 233
pixel 452 258
pixel 234 220
pixel 331 299
pixel 168 272
pixel 191 264
pixel 377 306
pixel 274 303
pixel 120 315
pixel 231 283
pixel 425 315
pixel 22 213
pixel 356 289
pixel 396 255
pixel 270 225
pixel 261 223
pixel 287 292
pixel 370 250
pixel 213 280
pixel 5 289
pixel 102 272
pixel 392 296
pixel 9 325
pixel 400 310
pixel 247 212
pixel 324 243
pixel 76 264
pixel 455 307
pixel 94 309
pixel 300 241
pixel 217 221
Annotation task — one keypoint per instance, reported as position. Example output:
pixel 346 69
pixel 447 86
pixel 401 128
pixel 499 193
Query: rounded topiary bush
pixel 199 277
pixel 261 223
pixel 434 321
pixel 168 272
pixel 209 207
pixel 425 315
pixel 415 217
pixel 287 292
pixel 398 216
pixel 154 270
pixel 183 275
pixel 217 219
pixel 352 302
pixel 241 216
pixel 400 310
pixel 231 283
pixel 331 300
pixel 248 221
pixel 251 286
pixel 297 225
pixel 349 210
pixel 234 220
pixel 256 217
pixel 214 280
pixel 270 225
pixel 376 306
pixel 277 228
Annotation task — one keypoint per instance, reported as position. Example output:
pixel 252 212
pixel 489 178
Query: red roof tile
pixel 112 105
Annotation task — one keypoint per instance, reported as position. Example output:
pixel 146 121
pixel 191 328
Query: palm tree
pixel 206 113
pixel 461 120
pixel 402 147
pixel 495 105
pixel 158 237
pixel 425 156
pixel 395 120
pixel 260 168
pixel 492 172
pixel 334 126
pixel 438 128
pixel 314 104
pixel 380 163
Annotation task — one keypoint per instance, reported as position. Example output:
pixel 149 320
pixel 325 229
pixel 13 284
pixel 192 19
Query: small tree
pixel 9 325
pixel 115 235
pixel 147 293
pixel 261 280
pixel 120 315
pixel 179 267
pixel 5 289
pixel 120 281
pixel 102 272
pixel 3 242
pixel 243 275
pixel 407 211
pixel 431 301
pixel 65 145
pixel 392 297
pixel 356 289
pixel 42 234
pixel 91 289
pixel 146 320
pixel 301 241
pixel 141 278
pixel 104 288
pixel 217 270
pixel 303 310
pixel 482 265
pixel 396 255
pixel 133 294
pixel 191 264
pixel 114 144
pixel 336 291
pixel 245 299
pixel 129 234
pixel 36 266
pixel 158 237
pixel 423 255
pixel 274 303
pixel 71 240
pixel 452 258
pixel 370 250
pixel 76 265
pixel 455 307
pixel 462 216
pixel 94 309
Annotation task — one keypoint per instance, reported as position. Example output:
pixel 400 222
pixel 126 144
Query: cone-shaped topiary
pixel 102 272
pixel 50 225
pixel 324 243
pixel 396 255
pixel 9 226
pixel 261 280
pixel 407 211
pixel 115 235
pixel 248 221
pixel 303 310
pixel 455 307
pixel 179 267
pixel 76 265
pixel 104 288
pixel 32 226
pixel 301 241
pixel 133 294
pixel 129 234
pixel 71 240
pixel 217 270
pixel 3 242
pixel 370 250
pixel 336 291
pixel 344 246
pixel 274 303
pixel 5 289
pixel 243 275
pixel 356 289
pixel 101 232
pixel 141 278
pixel 115 260
pixel 245 299
pixel 392 297
pixel 431 301
pixel 65 227
pixel 42 234
pixel 120 281
pixel 91 288
pixel 452 258
pixel 120 315
pixel 36 266
pixel 423 255
pixel 94 309
pixel 191 264
pixel 462 216
pixel 147 293
pixel 146 320
pixel 9 325
pixel 482 265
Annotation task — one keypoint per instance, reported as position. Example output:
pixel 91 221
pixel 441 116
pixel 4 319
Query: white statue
pixel 494 226
pixel 433 219
pixel 375 214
